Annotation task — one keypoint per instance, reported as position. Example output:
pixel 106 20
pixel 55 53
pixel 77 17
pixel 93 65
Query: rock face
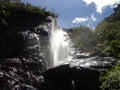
pixel 66 78
pixel 82 74
pixel 96 62
pixel 22 57
pixel 16 74
pixel 85 78
pixel 57 79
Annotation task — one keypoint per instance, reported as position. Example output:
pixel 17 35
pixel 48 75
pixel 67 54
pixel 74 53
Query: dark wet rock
pixel 11 44
pixel 14 62
pixel 20 76
pixel 21 60
pixel 28 87
pixel 85 78
pixel 58 78
pixel 42 32
pixel 49 19
pixel 66 78
pixel 79 74
pixel 24 54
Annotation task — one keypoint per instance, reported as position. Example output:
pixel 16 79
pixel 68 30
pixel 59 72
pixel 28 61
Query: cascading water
pixel 60 47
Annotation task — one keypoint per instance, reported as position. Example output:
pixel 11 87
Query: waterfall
pixel 60 46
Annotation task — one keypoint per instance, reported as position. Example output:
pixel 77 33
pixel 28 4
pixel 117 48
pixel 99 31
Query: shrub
pixel 14 13
pixel 111 80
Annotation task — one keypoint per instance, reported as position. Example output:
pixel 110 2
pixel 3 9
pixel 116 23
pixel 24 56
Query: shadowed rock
pixel 58 78
pixel 65 78
pixel 79 74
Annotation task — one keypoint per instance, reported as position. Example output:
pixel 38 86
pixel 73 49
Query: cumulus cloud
pixel 100 4
pixel 78 20
pixel 81 20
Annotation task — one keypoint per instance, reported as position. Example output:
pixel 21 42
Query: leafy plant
pixel 111 80
pixel 13 13
pixel 108 34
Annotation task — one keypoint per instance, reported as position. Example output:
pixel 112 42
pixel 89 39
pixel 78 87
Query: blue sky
pixel 78 12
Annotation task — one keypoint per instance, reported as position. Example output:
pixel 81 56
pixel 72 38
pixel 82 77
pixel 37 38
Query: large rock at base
pixel 58 78
pixel 66 78
pixel 85 78
pixel 79 74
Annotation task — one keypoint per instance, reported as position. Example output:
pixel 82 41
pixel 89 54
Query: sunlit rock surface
pixel 98 63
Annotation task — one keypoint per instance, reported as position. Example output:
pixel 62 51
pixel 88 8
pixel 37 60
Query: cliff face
pixel 23 55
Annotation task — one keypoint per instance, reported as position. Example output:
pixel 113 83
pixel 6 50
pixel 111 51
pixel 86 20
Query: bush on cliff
pixel 13 13
pixel 111 80
pixel 108 34
pixel 108 43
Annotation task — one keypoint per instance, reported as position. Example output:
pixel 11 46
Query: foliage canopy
pixel 12 13
pixel 108 42
pixel 108 34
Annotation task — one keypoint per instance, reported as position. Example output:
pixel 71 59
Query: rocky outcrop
pixel 66 78
pixel 85 78
pixel 58 78
pixel 21 61
pixel 13 43
pixel 82 74
pixel 96 62
pixel 23 55
pixel 20 73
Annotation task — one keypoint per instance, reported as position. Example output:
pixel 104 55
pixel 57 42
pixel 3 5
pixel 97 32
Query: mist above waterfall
pixel 60 47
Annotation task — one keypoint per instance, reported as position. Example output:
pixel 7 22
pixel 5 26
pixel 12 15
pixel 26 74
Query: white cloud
pixel 100 4
pixel 78 20
pixel 93 18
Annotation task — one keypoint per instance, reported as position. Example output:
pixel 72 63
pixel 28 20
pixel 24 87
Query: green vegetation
pixel 108 43
pixel 108 35
pixel 83 38
pixel 111 80
pixel 14 13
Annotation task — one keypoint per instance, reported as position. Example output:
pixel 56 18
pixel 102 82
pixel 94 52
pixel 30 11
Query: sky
pixel 72 13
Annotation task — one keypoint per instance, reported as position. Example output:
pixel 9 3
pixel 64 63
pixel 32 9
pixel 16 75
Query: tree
pixel 108 34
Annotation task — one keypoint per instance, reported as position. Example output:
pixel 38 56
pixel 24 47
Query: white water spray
pixel 60 47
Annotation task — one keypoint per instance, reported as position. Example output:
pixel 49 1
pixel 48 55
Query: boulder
pixel 79 74
pixel 58 78
pixel 18 74
pixel 85 78
pixel 66 78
